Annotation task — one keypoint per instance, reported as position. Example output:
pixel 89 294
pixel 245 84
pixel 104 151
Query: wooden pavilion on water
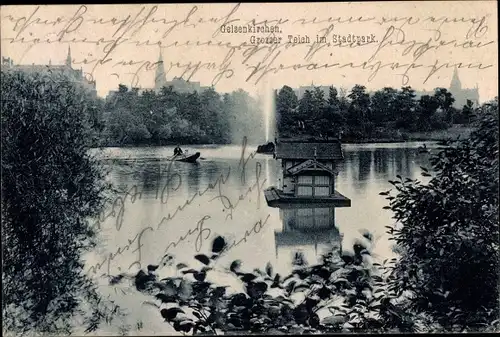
pixel 307 197
pixel 309 170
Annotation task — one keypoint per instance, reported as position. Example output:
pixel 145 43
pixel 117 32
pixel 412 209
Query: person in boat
pixel 178 151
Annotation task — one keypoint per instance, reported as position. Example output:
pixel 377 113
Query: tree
pixel 127 127
pixel 286 105
pixel 359 110
pixel 122 88
pixel 445 99
pixel 191 108
pixel 427 107
pixel 51 188
pixel 149 117
pixel 383 105
pixel 305 111
pixel 333 118
pixel 449 232
pixel 214 122
pixel 333 99
pixel 317 122
pixel 468 110
pixel 406 107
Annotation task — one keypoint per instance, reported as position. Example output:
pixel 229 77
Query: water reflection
pixel 364 173
pixel 365 165
pixel 305 229
pixel 193 177
pixel 380 162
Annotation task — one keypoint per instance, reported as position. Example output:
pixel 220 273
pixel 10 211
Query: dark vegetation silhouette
pixel 387 114
pixel 51 187
pixel 170 117
pixel 449 238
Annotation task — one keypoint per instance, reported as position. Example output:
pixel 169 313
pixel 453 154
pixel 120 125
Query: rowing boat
pixel 187 158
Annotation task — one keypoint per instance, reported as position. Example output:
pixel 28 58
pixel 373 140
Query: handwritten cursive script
pixel 412 47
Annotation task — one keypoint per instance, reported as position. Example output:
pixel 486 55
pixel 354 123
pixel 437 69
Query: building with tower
pixel 66 68
pixel 461 95
pixel 160 81
pixel 178 84
pixel 160 76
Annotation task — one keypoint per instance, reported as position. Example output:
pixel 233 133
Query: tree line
pixel 360 115
pixel 131 117
pixel 168 117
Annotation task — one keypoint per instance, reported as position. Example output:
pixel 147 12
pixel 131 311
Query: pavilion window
pixel 307 180
pixel 305 190
pixel 314 185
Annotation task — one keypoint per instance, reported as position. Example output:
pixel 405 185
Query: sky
pixel 405 43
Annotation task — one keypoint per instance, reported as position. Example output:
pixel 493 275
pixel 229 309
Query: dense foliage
pixel 386 114
pixel 346 292
pixel 131 117
pixel 50 188
pixel 448 231
pixel 170 117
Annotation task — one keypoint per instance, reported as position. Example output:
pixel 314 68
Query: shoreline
pixel 371 141
pixel 430 136
pixel 388 141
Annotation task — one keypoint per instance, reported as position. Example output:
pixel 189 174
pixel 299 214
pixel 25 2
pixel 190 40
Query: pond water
pixel 177 208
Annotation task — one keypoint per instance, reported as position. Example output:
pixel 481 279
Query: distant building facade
pixel 299 92
pixel 66 68
pixel 460 94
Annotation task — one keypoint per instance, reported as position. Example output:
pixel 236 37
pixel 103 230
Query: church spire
pixel 455 85
pixel 68 58
pixel 160 78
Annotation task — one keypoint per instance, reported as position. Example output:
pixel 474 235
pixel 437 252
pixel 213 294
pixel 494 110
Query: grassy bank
pixel 394 137
pixel 402 136
pixel 453 132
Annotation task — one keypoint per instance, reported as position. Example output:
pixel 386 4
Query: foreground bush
pixel 50 189
pixel 343 293
pixel 448 232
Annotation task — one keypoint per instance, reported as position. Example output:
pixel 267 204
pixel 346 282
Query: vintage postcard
pixel 260 168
